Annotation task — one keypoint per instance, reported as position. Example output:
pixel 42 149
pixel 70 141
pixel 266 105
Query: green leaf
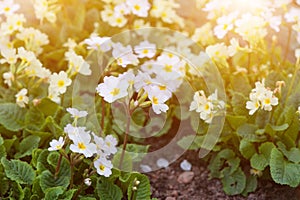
pixel 191 142
pixel 48 107
pixel 18 171
pixel 2 148
pixel 27 145
pixel 48 179
pixel 127 161
pixel 137 152
pixel 12 116
pixel 251 185
pixel 283 171
pixel 217 163
pixel 236 121
pixel 16 191
pixel 53 193
pixel 259 162
pixel 247 132
pixel 234 183
pixel 106 190
pixel 4 186
pixel 292 155
pixel 240 83
pixel 68 195
pixel 247 149
pixel 143 188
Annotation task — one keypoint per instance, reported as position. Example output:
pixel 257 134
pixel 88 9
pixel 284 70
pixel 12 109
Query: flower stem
pixel 58 166
pixel 125 138
pixel 287 46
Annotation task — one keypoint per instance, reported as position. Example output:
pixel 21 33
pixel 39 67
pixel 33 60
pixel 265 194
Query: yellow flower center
pixel 145 51
pixel 20 98
pixel 108 144
pixel 155 100
pixel 7 9
pixel 267 101
pixel 61 83
pixel 168 68
pixel 137 7
pixel 81 146
pixel 102 167
pixel 115 91
pixel 162 87
pixel 119 20
pixel 206 107
pixel 58 147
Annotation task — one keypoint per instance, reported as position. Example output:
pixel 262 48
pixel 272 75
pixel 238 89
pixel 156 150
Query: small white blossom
pixel 21 98
pixel 98 43
pixel 87 181
pixel 8 78
pixel 82 144
pixel 56 144
pixel 60 82
pixel 139 8
pixel 76 113
pixel 103 166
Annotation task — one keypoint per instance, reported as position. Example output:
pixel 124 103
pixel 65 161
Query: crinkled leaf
pixel 48 107
pixel 283 171
pixel 53 193
pixel 12 116
pixel 234 183
pixel 143 189
pixel 247 148
pixel 27 145
pixel 191 142
pixel 236 121
pixel 107 190
pixel 18 171
pixel 251 185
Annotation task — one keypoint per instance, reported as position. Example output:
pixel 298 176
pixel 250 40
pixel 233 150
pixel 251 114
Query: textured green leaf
pixel 16 191
pixel 18 171
pixel 27 145
pixel 53 193
pixel 137 151
pixel 234 183
pixel 2 148
pixel 292 155
pixel 248 132
pixel 4 186
pixel 143 188
pixel 47 178
pixel 283 171
pixel 12 116
pixel 217 163
pixel 68 195
pixel 247 148
pixel 106 190
pixel 251 185
pixel 259 161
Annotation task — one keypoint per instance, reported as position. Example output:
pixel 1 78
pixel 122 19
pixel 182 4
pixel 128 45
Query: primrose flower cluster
pixel 261 98
pixel 87 143
pixel 155 79
pixel 207 107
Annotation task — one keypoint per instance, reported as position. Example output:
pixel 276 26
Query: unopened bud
pixel 88 181
pixel 145 104
pixel 134 188
pixel 36 102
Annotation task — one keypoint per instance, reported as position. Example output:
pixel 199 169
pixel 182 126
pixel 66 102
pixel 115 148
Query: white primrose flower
pixel 261 97
pixel 157 99
pixel 60 82
pixel 110 145
pixel 124 55
pixel 98 43
pixel 168 66
pixel 103 166
pixel 225 24
pixel 268 101
pixel 139 8
pixel 113 88
pixel 141 80
pixel 74 132
pixel 53 95
pixel 8 7
pixel 82 144
pixel 293 15
pixel 8 78
pixel 207 107
pixel 77 64
pixel 145 49
pixel 76 113
pixel 122 9
pixel 9 56
pixel 56 144
pixel 87 181
pixel 21 98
